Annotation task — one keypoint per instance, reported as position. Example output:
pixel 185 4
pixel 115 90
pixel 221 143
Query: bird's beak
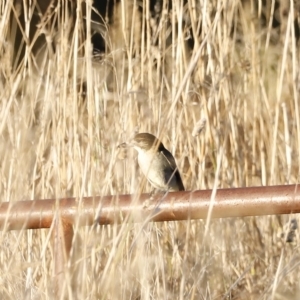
pixel 128 144
pixel 123 145
pixel 122 153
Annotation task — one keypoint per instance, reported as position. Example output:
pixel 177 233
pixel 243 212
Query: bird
pixel 156 162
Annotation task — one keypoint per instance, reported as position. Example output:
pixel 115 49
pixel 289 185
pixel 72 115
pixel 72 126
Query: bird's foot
pixel 156 192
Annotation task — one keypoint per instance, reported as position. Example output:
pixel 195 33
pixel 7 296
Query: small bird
pixel 156 162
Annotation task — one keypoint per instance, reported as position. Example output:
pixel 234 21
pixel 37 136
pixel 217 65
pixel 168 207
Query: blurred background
pixel 77 78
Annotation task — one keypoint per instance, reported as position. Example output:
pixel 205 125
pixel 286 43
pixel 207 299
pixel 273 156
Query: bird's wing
pixel 169 157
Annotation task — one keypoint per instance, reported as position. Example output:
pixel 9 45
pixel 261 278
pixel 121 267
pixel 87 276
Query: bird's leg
pixel 155 192
pixel 152 194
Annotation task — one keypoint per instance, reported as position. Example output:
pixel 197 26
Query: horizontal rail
pixel 236 202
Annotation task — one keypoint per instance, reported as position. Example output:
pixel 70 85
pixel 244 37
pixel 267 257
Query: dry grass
pixel 242 77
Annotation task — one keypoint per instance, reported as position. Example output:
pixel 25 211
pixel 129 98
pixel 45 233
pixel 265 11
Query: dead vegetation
pixel 65 109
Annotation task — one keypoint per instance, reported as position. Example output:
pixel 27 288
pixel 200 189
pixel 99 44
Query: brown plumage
pixel 157 163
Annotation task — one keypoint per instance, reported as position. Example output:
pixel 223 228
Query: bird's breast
pixel 157 170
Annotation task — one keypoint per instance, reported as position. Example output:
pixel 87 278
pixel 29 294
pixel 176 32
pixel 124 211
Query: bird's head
pixel 144 142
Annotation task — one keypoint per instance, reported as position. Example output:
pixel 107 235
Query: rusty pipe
pixel 62 237
pixel 235 202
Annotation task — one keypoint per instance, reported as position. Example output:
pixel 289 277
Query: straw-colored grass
pixel 242 76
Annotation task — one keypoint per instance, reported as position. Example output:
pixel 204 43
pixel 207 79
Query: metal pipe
pixel 235 202
pixel 62 236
